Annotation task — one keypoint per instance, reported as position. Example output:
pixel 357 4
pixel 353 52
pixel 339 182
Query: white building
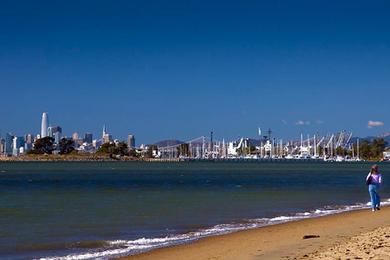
pixel 15 146
pixel 44 124
pixel 96 144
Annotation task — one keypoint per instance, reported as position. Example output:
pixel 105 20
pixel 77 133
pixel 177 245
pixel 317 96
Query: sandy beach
pixel 358 234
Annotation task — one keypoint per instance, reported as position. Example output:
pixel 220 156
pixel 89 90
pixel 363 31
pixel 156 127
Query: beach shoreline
pixel 136 207
pixel 302 239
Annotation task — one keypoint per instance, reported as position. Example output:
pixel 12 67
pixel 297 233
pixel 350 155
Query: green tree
pixel 149 152
pixel 112 148
pixel 183 150
pixel 43 145
pixel 66 146
pixel 378 145
pixel 365 150
pixel 133 153
pixel 341 151
pixel 121 149
pixel 372 150
pixel 106 148
pixel 241 151
pixel 246 150
pixel 320 150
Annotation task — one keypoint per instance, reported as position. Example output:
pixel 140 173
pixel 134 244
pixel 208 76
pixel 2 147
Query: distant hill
pixel 370 138
pixel 387 134
pixel 168 143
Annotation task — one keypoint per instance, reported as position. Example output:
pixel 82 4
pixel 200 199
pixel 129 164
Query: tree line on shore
pixel 66 146
pixel 46 145
pixel 371 150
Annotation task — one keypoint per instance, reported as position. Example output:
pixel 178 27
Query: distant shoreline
pixel 108 158
pixel 80 158
pixel 64 158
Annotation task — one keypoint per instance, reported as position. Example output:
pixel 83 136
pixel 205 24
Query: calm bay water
pixel 90 210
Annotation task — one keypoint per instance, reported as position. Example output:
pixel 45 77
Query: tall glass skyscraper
pixel 131 141
pixel 88 138
pixel 8 144
pixel 44 124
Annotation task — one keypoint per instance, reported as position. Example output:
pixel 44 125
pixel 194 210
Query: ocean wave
pixel 117 248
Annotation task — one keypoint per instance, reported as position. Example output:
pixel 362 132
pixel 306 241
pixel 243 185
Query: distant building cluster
pixel 341 146
pixel 13 145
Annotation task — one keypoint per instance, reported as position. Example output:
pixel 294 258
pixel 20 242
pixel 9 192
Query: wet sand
pixel 358 234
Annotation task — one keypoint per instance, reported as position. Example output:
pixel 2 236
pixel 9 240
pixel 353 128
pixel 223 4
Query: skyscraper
pixel 75 136
pixel 44 124
pixel 28 139
pixel 88 138
pixel 106 137
pixel 55 132
pixel 131 141
pixel 8 144
pixel 104 131
pixel 28 142
pixel 2 146
pixel 17 143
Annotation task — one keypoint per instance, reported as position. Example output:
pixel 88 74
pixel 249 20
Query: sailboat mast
pixel 358 149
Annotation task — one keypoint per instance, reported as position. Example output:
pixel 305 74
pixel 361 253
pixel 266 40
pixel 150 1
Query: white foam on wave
pixel 383 203
pixel 128 247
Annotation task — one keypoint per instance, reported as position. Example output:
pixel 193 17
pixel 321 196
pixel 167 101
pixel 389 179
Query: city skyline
pixel 339 146
pixel 179 70
pixel 55 131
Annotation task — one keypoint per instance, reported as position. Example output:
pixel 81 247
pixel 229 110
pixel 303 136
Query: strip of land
pixel 70 158
pixel 358 234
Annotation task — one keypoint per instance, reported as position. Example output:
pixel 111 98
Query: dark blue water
pixel 104 209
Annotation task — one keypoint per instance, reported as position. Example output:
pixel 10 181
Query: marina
pixel 338 147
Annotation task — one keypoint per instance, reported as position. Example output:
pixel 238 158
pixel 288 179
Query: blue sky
pixel 178 69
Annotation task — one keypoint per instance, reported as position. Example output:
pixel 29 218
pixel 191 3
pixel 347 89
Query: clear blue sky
pixel 177 69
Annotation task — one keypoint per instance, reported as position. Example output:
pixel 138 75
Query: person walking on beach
pixel 373 180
